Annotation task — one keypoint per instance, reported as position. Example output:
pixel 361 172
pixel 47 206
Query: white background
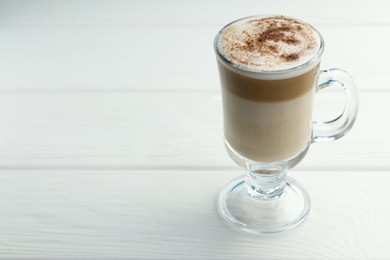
pixel 111 132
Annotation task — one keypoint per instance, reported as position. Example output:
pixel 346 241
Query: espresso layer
pixel 266 90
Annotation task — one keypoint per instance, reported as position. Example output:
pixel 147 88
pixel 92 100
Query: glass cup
pixel 267 137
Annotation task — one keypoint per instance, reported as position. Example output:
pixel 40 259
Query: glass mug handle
pixel 338 127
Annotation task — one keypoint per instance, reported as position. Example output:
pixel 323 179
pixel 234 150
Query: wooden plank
pixel 168 59
pixel 172 215
pixel 165 130
pixel 178 13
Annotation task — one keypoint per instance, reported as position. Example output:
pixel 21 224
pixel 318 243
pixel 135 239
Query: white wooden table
pixel 111 133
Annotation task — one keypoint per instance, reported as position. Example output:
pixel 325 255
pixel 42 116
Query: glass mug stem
pixel 266 186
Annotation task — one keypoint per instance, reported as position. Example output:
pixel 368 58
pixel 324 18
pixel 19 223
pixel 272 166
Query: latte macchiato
pixel 267 105
pixel 269 73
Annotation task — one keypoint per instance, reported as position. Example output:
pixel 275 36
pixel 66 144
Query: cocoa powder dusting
pixel 290 57
pixel 264 42
pixel 275 39
pixel 291 41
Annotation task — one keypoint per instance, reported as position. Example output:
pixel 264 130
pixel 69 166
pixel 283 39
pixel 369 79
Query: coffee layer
pixel 267 132
pixel 266 90
pixel 268 43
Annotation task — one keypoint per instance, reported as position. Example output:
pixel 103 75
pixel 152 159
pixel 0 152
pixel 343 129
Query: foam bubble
pixel 268 43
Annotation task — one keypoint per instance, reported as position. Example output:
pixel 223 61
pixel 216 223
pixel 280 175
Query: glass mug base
pixel 264 201
pixel 282 213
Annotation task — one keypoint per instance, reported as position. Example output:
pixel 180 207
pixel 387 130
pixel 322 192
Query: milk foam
pixel 268 43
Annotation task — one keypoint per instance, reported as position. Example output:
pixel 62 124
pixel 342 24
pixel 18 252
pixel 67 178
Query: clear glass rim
pixel 297 70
